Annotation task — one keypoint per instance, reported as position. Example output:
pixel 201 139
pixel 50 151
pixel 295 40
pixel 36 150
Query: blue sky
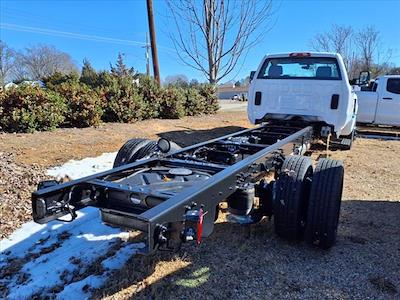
pixel 295 23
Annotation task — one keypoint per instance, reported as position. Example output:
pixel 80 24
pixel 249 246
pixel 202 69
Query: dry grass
pixel 52 148
pixel 249 262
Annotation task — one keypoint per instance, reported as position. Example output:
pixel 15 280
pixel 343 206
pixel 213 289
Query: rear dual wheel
pixel 307 203
pixel 291 198
pixel 324 203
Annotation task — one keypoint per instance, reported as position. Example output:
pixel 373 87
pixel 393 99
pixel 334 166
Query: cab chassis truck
pixel 173 195
pixel 174 198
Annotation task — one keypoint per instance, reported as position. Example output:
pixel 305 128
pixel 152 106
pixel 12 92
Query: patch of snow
pixel 75 169
pixel 21 239
pixel 53 263
pixel 118 261
pixel 80 289
pixel 89 240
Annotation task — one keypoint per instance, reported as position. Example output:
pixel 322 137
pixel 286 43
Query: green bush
pixel 52 82
pixel 28 108
pixel 195 103
pixel 84 104
pixel 152 95
pixel 121 101
pixel 172 104
pixel 89 76
pixel 104 79
pixel 209 94
pixel 68 100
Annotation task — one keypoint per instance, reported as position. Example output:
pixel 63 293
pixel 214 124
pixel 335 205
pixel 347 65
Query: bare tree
pixel 321 42
pixel 7 56
pixel 178 79
pixel 361 50
pixel 19 71
pixel 367 41
pixel 394 71
pixel 213 35
pixel 42 61
pixel 338 39
pixel 341 39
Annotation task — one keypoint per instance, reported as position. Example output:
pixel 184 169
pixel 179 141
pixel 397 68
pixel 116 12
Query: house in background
pixel 230 92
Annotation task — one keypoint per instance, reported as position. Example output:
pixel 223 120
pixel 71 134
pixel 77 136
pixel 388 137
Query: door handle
pixel 387 98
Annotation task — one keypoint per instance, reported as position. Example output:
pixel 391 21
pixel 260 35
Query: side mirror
pixel 252 73
pixel 364 78
pixel 164 145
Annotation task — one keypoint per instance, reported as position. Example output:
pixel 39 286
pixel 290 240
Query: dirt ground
pixel 52 148
pixel 25 157
pixel 238 262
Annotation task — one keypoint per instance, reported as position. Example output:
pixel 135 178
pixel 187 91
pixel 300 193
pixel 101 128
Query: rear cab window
pixel 393 85
pixel 317 68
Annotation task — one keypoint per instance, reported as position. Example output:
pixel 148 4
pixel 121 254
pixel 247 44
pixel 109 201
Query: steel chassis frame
pixel 55 201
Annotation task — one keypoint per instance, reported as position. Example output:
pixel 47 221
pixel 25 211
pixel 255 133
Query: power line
pixel 47 20
pixel 74 35
pixel 96 38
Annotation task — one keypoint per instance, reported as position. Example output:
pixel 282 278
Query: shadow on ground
pixel 242 262
pixel 187 137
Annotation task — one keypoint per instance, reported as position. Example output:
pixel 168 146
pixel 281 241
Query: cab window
pixel 393 85
pixel 319 68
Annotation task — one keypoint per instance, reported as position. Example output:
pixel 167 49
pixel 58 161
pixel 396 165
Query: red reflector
pixel 300 54
pixel 199 226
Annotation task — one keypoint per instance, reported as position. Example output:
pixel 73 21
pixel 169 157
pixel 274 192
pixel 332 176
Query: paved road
pixel 228 105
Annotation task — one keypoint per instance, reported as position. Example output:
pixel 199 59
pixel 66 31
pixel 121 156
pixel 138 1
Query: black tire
pixel 324 203
pixel 138 148
pixel 146 150
pixel 291 198
pixel 152 146
pixel 127 152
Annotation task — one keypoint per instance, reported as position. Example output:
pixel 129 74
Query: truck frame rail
pixel 157 195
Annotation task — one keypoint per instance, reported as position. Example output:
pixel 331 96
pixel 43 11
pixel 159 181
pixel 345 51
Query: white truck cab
pixel 381 104
pixel 308 86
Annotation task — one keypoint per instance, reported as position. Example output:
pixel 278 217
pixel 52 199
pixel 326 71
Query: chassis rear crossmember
pixel 224 164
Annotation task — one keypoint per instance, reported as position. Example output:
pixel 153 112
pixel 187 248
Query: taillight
pixel 300 54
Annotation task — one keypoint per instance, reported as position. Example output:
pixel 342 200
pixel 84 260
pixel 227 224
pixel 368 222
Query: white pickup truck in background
pixel 381 104
pixel 310 87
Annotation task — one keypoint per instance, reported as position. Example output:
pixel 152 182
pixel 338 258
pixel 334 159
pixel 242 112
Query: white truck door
pixel 367 102
pixel 388 109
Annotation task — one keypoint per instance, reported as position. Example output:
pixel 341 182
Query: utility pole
pixel 153 41
pixel 147 46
